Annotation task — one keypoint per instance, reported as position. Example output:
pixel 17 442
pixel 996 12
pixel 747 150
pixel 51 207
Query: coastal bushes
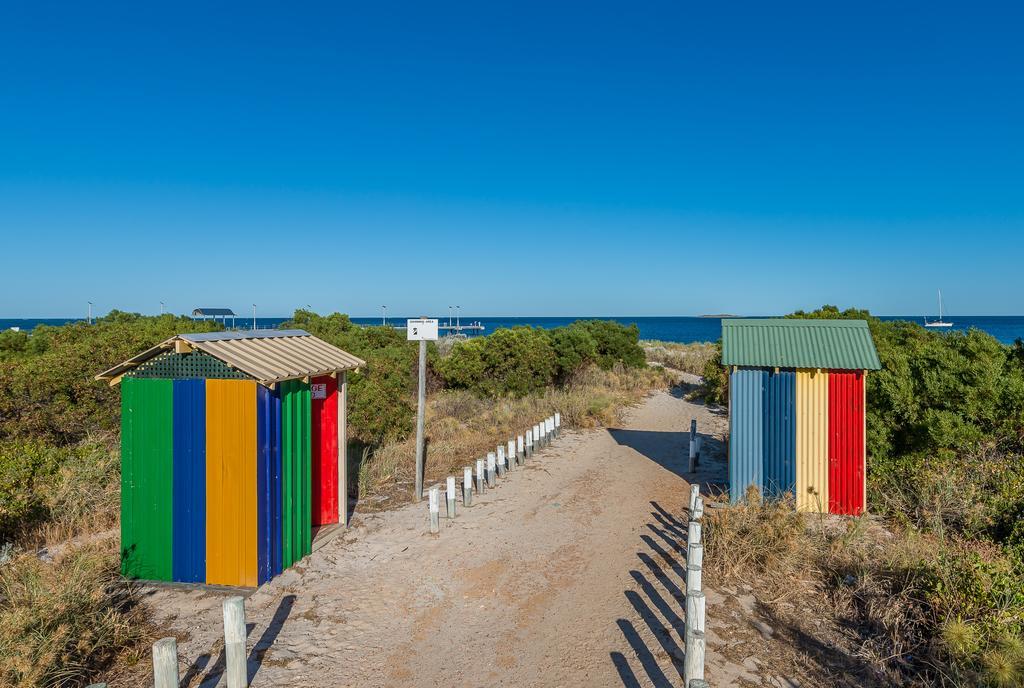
pixel 522 360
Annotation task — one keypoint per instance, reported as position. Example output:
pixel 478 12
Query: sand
pixel 569 573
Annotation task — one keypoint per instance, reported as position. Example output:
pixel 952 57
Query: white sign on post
pixel 421 329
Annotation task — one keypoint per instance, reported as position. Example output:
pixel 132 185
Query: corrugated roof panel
pixel 265 355
pixel 793 343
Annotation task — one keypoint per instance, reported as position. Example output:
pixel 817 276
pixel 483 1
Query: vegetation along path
pixel 570 572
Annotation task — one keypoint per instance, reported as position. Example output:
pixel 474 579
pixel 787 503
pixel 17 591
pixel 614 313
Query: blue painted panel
pixel 268 484
pixel 189 502
pixel 779 409
pixel 276 565
pixel 746 431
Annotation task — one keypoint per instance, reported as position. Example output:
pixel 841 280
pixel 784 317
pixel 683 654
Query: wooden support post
pixel 698 509
pixel 558 424
pixel 520 450
pixel 693 661
pixel 234 642
pixel 693 534
pixel 500 461
pixel 695 608
pixel 529 443
pixel 435 510
pixel 693 456
pixel 695 554
pixel 343 448
pixel 165 663
pixel 700 445
pixel 536 438
pixel 467 486
pixel 491 469
pixel 551 428
pixel 510 452
pixel 698 683
pixel 450 495
pixel 694 493
pixel 480 476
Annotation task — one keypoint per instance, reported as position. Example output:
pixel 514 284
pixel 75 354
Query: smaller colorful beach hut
pixel 233 448
pixel 797 409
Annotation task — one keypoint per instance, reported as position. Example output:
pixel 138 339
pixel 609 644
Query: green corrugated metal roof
pixel 794 343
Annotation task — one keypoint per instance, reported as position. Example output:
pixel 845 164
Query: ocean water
pixel 668 328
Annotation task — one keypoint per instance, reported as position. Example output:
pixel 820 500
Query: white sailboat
pixel 940 322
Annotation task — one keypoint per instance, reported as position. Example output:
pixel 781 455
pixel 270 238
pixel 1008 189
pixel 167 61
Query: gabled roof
pixel 268 356
pixel 796 343
pixel 213 312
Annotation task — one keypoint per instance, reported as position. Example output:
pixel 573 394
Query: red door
pixel 845 442
pixel 324 393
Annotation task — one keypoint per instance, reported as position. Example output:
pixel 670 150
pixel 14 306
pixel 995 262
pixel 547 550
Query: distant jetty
pixel 720 315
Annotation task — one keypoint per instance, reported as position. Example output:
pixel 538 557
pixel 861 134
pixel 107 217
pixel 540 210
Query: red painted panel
pixel 324 393
pixel 845 442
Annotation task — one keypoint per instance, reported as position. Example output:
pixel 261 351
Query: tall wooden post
pixel 343 448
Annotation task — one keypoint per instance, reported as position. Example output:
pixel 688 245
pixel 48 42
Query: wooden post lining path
pixel 234 642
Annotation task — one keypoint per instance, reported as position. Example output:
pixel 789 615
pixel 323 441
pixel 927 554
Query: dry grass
pixel 866 593
pixel 462 427
pixel 689 358
pixel 61 621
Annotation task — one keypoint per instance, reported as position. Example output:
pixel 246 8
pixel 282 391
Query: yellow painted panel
pixel 231 482
pixel 812 440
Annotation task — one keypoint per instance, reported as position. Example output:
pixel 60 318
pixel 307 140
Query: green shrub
pixel 615 343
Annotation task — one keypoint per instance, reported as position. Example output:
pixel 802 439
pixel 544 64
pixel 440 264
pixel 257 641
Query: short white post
pixel 529 443
pixel 694 493
pixel 694 578
pixel 480 476
pixel 551 428
pixel 520 450
pixel 467 486
pixel 501 460
pixel 536 437
pixel 234 642
pixel 435 510
pixel 695 554
pixel 693 534
pixel 558 424
pixel 693 662
pixel 700 444
pixel 491 467
pixel 450 494
pixel 693 456
pixel 695 608
pixel 698 683
pixel 511 453
pixel 165 663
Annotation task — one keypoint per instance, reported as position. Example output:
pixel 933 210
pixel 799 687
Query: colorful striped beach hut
pixel 233 449
pixel 797 410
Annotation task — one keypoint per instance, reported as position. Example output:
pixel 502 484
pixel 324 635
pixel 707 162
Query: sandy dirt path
pixel 569 573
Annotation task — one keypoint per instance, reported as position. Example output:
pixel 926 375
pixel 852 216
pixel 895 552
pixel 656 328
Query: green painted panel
pixel 798 343
pixel 147 478
pixel 296 472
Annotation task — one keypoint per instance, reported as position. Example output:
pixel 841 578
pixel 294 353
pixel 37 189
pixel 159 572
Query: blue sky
pixel 518 159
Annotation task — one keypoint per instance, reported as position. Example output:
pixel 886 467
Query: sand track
pixel 569 573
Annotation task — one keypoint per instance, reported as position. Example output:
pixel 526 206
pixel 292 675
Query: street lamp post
pixel 458 319
pixel 384 315
pixel 90 312
pixel 254 317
